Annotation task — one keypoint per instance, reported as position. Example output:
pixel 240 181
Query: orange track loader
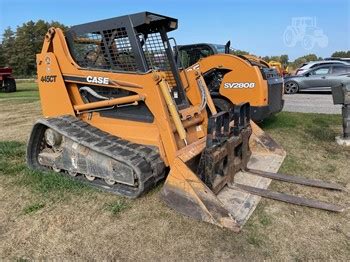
pixel 119 116
pixel 235 79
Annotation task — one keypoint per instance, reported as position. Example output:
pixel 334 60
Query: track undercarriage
pixel 67 144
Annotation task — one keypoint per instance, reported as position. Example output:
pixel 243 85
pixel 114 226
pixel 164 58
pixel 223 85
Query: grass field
pixel 46 216
pixel 27 91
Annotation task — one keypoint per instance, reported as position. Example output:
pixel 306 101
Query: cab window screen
pixel 107 49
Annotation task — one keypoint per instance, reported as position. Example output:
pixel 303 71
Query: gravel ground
pixel 311 103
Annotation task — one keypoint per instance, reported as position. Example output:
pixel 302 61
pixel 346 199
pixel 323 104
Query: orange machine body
pixel 242 82
pixel 234 79
pixel 59 78
pixel 240 72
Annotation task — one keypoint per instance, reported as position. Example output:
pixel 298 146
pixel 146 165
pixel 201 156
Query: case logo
pixel 98 80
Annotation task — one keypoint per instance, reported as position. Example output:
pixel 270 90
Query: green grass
pixel 33 208
pixel 25 91
pixel 253 235
pixel 306 135
pixel 47 184
pixel 292 122
pixel 117 206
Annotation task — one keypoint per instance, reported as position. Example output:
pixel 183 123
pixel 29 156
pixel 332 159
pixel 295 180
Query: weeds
pixel 117 206
pixel 33 208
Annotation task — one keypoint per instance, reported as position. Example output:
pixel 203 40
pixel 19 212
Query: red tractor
pixel 7 82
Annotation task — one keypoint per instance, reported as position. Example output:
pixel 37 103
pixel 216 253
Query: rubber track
pixel 145 160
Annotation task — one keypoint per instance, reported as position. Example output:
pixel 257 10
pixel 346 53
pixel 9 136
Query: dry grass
pixel 18 112
pixel 47 216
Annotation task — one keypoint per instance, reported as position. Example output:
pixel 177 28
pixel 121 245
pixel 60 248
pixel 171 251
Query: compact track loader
pixel 235 79
pixel 120 117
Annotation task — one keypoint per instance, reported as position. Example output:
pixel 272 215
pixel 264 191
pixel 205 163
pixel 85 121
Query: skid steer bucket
pixel 202 170
pixel 222 178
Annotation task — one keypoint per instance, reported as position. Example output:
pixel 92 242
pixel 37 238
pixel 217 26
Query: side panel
pixel 54 97
pixel 244 83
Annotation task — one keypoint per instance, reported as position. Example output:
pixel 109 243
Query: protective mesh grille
pixel 156 56
pixel 108 49
pixel 111 49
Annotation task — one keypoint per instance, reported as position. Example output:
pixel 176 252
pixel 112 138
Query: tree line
pixel 18 49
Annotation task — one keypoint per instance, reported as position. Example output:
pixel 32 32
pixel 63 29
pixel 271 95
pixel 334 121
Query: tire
pixel 222 104
pixel 291 87
pixel 9 85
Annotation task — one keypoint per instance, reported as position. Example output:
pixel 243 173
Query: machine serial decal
pixel 235 85
pixel 48 79
pixel 97 80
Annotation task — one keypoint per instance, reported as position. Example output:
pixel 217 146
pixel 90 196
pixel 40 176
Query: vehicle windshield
pixel 220 48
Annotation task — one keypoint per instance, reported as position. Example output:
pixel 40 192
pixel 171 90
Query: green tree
pixel 266 58
pixel 239 52
pixel 2 57
pixel 275 58
pixel 343 54
pixel 304 59
pixel 7 46
pixel 24 60
pixel 284 59
pixel 19 48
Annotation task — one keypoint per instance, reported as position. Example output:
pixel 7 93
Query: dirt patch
pixel 17 118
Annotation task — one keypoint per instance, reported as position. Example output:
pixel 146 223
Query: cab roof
pixel 142 22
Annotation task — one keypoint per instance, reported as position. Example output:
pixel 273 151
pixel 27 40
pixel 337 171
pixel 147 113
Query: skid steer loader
pixel 235 79
pixel 119 117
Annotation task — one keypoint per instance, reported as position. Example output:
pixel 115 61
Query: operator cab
pixel 190 54
pixel 132 43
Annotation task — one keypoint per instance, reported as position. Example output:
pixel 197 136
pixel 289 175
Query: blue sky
pixel 252 25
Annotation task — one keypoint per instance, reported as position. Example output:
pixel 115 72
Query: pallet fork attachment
pixel 296 200
pixel 208 179
pixel 292 199
pixel 192 183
